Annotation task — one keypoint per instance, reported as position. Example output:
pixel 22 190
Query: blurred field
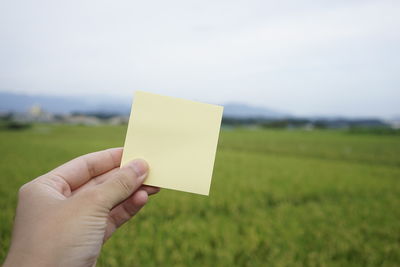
pixel 278 198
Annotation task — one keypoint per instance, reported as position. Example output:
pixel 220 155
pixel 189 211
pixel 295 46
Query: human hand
pixel 64 217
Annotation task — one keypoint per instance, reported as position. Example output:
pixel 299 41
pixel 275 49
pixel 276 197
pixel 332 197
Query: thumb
pixel 125 181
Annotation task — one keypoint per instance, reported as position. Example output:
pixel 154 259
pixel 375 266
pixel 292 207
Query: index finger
pixel 81 169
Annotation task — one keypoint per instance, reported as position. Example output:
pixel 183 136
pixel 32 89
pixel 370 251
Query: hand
pixel 64 217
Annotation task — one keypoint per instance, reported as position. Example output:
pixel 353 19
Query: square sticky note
pixel 177 137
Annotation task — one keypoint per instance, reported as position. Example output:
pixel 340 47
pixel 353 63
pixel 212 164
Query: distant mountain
pixel 22 102
pixel 238 110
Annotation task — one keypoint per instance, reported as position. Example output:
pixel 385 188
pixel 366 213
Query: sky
pixel 297 56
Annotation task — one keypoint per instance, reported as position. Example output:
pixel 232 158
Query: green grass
pixel 279 198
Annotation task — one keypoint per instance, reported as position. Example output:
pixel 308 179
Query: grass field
pixel 278 198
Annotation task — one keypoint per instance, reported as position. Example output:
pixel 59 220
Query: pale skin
pixel 64 217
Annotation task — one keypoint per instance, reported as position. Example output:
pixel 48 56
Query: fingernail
pixel 140 167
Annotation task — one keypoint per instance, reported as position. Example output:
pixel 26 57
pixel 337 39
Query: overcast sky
pixel 302 57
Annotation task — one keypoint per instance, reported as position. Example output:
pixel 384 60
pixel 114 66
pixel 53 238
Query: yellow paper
pixel 177 137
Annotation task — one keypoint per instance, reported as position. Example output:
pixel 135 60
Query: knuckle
pixel 123 174
pixel 124 182
pixel 25 190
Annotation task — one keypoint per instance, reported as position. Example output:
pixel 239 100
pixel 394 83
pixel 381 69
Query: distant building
pixel 34 114
pixel 118 120
pixel 394 124
pixel 82 120
pixel 35 110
